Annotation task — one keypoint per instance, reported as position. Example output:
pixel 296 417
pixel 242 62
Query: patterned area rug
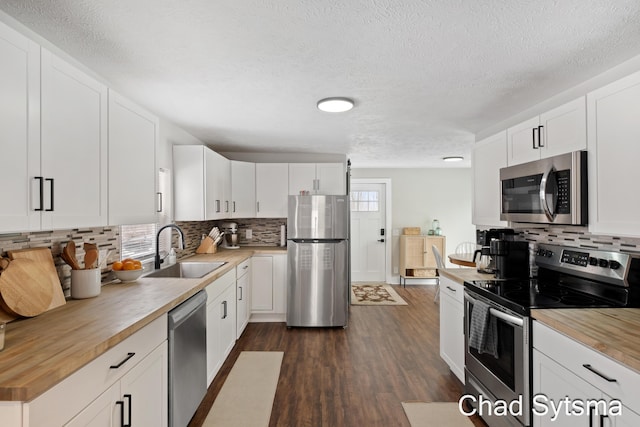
pixel 374 294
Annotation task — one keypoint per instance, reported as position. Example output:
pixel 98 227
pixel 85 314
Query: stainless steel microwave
pixel 547 191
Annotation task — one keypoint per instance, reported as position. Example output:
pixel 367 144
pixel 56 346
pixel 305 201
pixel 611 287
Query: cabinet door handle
pixel 240 287
pixel 600 374
pixel 41 185
pixel 120 403
pixel 533 138
pixel 217 206
pixel 257 206
pixel 51 188
pixel 224 308
pixel 128 397
pixel 540 138
pixel 226 206
pixel 125 360
pixel 451 289
pixel 159 201
pixel 234 207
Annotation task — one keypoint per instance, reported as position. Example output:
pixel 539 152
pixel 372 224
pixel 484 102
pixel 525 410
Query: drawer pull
pixel 451 289
pixel 125 360
pixel 600 374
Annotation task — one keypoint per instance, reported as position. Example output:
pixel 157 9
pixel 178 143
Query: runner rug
pixel 441 414
pixel 246 397
pixel 374 294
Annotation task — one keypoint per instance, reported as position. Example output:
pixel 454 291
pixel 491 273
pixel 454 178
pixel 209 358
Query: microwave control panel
pixel 563 180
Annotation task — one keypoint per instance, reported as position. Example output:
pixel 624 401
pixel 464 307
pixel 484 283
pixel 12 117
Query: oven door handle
pixel 516 321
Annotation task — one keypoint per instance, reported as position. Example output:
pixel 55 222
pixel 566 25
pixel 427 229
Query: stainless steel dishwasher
pixel 187 359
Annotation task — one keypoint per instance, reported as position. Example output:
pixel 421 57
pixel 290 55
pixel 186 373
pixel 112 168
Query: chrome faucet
pixel 159 261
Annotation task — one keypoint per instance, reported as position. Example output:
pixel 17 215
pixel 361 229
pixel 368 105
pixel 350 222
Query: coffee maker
pixel 483 239
pixel 511 258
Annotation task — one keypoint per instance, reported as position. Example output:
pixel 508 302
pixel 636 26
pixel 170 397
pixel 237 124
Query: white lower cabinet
pixel 243 296
pixel 452 326
pixel 221 321
pixel 135 399
pixel 565 370
pixel 130 378
pixel 268 288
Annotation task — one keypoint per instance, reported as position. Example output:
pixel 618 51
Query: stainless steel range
pixel 568 277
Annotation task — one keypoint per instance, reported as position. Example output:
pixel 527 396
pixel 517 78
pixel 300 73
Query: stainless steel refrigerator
pixel 318 261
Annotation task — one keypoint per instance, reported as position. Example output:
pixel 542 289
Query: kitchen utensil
pixel 25 288
pixel 4 263
pixel 90 256
pixel 214 233
pixel 44 258
pixel 6 317
pixel 69 252
pixel 207 246
pixel 85 283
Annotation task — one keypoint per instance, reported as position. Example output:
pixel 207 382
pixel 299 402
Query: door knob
pixel 381 240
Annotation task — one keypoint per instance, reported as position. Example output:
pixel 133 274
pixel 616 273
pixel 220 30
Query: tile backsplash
pixel 107 238
pixel 579 236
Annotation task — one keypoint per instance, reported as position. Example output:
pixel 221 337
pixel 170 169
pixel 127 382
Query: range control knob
pixel 548 254
pixel 614 265
pixel 603 263
pixel 593 261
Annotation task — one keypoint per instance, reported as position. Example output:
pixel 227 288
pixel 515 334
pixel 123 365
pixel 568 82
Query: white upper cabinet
pixel 73 146
pixel 133 138
pixel 201 183
pixel 243 189
pixel 614 150
pixel 271 190
pixel 19 131
pixel 317 178
pixel 489 155
pixel 557 131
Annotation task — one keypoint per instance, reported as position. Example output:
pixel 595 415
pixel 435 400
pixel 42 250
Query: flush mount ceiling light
pixel 453 159
pixel 335 105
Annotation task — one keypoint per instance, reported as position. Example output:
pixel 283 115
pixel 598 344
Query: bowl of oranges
pixel 127 270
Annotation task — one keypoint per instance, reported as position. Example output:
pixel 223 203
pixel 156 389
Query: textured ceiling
pixel 245 75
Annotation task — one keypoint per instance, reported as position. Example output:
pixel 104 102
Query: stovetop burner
pixel 569 278
pixel 523 295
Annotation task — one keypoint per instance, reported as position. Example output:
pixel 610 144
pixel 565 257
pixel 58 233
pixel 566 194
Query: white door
pixel 368 234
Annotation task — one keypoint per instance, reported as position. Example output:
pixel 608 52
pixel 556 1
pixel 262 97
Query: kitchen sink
pixel 188 270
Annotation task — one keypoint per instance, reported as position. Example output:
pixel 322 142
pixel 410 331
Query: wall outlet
pixel 395 270
pixel 249 234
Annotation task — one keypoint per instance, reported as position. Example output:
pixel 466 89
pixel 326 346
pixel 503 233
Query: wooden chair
pixel 440 264
pixel 466 248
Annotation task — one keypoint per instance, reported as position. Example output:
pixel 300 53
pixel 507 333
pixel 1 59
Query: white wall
pixel 421 195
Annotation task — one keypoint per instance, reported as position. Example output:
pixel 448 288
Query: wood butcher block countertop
pixel 615 332
pixel 41 351
pixel 459 275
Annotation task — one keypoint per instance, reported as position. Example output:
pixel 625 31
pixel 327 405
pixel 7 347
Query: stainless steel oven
pixel 549 191
pixel 507 376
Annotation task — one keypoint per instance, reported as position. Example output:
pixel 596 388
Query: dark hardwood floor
pixel 356 376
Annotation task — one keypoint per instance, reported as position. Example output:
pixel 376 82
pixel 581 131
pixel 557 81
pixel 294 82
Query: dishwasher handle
pixel 184 310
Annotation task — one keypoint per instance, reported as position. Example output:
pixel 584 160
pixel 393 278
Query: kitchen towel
pixel 483 329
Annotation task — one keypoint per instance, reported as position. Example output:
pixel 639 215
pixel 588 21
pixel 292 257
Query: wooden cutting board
pixel 25 288
pixel 45 260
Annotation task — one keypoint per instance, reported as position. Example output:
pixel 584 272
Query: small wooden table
pixel 465 259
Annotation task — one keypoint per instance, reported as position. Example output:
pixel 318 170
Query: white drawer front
pixel 59 404
pixel 574 356
pixel 217 287
pixel 243 268
pixel 454 289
